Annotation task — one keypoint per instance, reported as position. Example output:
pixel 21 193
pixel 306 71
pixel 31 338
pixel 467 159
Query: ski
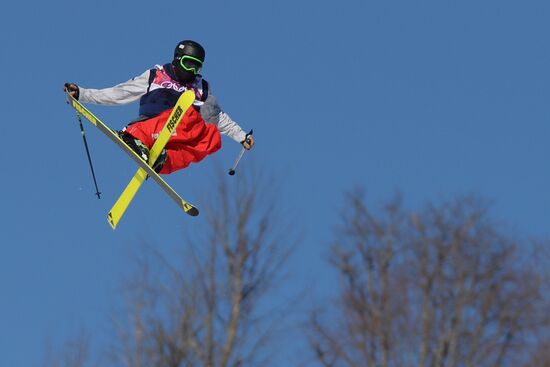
pixel 120 206
pixel 83 111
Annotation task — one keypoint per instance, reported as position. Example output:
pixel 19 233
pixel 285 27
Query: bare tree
pixel 208 307
pixel 540 357
pixel 444 287
pixel 75 352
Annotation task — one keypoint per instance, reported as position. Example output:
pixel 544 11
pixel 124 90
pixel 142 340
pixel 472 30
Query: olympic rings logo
pixel 169 85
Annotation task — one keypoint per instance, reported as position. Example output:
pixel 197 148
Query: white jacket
pixel 135 88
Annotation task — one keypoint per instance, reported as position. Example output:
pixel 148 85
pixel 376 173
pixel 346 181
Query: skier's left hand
pixel 248 143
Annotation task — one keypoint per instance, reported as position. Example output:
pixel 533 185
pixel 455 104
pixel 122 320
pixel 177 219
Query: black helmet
pixel 188 59
pixel 189 48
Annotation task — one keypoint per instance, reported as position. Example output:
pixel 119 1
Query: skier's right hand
pixel 72 89
pixel 248 143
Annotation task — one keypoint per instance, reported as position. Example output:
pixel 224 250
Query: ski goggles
pixel 191 64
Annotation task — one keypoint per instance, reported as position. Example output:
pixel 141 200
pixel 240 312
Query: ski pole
pixel 87 153
pixel 232 169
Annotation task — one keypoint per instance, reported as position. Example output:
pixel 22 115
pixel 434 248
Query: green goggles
pixel 191 64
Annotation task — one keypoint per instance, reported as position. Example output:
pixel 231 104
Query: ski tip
pixel 111 221
pixel 193 212
pixel 190 209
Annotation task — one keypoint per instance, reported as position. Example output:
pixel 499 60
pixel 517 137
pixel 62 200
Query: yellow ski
pixel 118 209
pixel 148 171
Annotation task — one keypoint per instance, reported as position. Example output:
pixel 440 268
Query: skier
pixel 158 89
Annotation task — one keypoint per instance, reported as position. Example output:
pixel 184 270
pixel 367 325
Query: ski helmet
pixel 188 59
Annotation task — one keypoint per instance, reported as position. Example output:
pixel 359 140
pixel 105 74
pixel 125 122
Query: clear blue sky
pixel 430 98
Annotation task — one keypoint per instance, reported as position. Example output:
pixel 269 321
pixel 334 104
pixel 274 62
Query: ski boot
pixel 159 163
pixel 142 150
pixel 135 144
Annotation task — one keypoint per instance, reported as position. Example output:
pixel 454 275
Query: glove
pixel 72 89
pixel 248 142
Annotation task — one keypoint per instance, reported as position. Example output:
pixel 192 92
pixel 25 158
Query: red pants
pixel 191 142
